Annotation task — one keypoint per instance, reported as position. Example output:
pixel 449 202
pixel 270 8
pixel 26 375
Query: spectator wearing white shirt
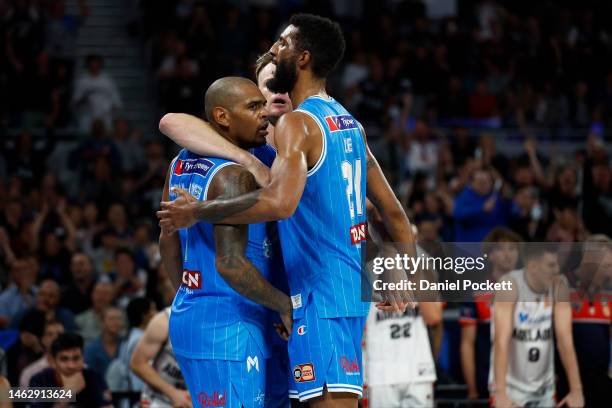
pixel 96 95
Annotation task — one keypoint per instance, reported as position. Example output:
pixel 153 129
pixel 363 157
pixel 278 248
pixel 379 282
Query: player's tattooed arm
pixel 231 243
pixel 170 247
pixel 199 137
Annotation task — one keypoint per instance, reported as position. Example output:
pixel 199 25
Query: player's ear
pixel 221 116
pixel 304 59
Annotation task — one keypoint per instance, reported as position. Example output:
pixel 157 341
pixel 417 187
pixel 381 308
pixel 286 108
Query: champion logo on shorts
pixel 296 300
pixel 216 399
pixel 301 330
pixel 303 372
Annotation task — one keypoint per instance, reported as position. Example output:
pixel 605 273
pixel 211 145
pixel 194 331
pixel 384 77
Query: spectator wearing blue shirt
pixel 21 293
pixel 100 352
pixel 47 302
pixel 479 208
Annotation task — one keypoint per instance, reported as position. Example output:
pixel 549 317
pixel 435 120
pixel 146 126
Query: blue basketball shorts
pixel 325 352
pixel 226 383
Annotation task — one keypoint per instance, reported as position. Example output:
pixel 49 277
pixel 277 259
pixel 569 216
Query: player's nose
pixel 274 50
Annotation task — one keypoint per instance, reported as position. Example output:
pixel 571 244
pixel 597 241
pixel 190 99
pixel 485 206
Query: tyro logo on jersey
pixel 342 122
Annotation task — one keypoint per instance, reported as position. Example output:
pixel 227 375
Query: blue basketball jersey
pixel 209 319
pixel 322 242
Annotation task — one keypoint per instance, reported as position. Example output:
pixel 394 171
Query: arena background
pixel 443 87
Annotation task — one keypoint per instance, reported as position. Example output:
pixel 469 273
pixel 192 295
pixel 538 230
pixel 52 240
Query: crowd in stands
pixel 78 234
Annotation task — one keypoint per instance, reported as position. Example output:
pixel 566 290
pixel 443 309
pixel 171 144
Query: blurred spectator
pixel 87 225
pixel 28 347
pixel 5 385
pixel 77 294
pixel 160 288
pixel 57 233
pixel 47 302
pixel 106 243
pixel 118 224
pixel 96 95
pixel 51 331
pixel 597 189
pixel 26 157
pixel 567 225
pixel 68 370
pixel 146 252
pixel 20 295
pixel 83 158
pixel 479 208
pixel 90 321
pixel 128 282
pixel 527 217
pixel 421 150
pixel 23 41
pixel 61 30
pixel 139 312
pixel 100 352
pixel 129 145
pixel 483 104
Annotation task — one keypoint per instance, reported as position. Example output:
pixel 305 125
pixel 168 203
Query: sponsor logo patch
pixel 341 122
pixel 216 399
pixel 252 362
pixel 301 330
pixel 358 233
pixel 350 367
pixel 192 279
pixel 199 166
pixel 303 373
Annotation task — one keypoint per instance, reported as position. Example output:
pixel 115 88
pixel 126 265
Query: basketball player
pixel 317 186
pixel 391 381
pixel 502 248
pixel 218 335
pixel 164 384
pixel 522 372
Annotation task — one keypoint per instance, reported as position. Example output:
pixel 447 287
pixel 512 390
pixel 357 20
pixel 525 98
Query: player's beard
pixel 284 78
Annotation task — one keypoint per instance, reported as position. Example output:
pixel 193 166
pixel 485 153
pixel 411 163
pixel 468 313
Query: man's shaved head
pixel 224 92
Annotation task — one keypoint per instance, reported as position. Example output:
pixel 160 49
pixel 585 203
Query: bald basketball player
pixel 218 314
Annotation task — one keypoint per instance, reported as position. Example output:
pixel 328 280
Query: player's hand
pixel 284 330
pixel 179 213
pixel 180 399
pixel 502 400
pixel 260 171
pixel 394 306
pixel 574 399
